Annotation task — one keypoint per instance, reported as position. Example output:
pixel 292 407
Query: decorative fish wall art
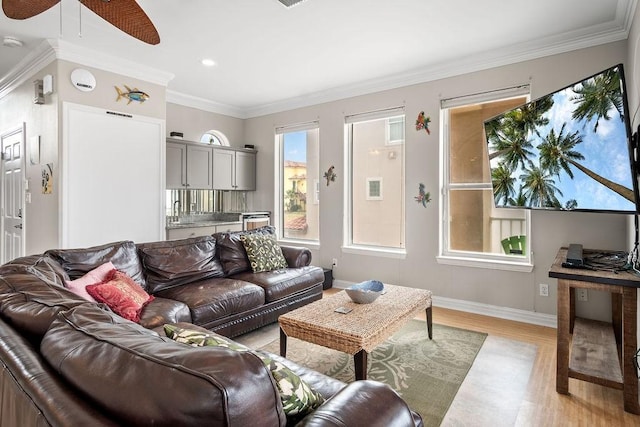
pixel 131 94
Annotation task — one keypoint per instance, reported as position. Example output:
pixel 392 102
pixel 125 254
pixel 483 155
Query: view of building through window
pixel 300 202
pixel 474 224
pixel 377 180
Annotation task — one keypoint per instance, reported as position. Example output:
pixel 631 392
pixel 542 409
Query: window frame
pixel 449 256
pixel 348 246
pixel 369 181
pixel 279 200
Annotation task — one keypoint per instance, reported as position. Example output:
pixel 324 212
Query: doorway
pixel 12 205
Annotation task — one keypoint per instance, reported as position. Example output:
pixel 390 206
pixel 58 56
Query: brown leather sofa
pixel 205 280
pixel 70 362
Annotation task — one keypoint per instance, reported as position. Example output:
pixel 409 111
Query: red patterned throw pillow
pixel 122 294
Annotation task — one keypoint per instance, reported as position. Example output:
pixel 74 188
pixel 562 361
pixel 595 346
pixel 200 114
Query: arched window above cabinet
pixel 215 137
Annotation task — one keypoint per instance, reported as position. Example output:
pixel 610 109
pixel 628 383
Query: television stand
pixel 597 352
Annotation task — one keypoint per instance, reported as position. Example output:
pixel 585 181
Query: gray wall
pixel 419 269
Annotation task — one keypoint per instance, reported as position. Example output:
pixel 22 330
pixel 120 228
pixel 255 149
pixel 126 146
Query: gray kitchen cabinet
pixel 234 169
pixel 176 160
pixel 188 166
pixel 199 162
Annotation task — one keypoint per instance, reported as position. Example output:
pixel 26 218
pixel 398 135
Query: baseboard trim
pixel 540 319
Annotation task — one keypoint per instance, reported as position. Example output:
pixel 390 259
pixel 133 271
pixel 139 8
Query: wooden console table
pixel 601 353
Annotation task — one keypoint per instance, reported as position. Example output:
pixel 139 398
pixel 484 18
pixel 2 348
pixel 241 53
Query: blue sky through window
pixel 295 146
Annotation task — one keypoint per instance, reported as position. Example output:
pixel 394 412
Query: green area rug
pixel 426 373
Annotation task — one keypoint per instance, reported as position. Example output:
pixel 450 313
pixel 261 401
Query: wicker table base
pixel 359 331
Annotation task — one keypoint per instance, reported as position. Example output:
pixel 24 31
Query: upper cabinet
pixel 234 169
pixel 193 165
pixel 188 166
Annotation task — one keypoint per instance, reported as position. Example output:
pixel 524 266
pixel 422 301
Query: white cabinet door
pixel 112 177
pixel 228 228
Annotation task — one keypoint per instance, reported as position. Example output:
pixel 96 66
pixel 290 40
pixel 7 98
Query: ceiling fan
pixel 126 15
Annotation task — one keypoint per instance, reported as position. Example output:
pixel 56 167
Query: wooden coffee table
pixel 359 331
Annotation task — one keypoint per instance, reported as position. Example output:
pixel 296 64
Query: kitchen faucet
pixel 177 211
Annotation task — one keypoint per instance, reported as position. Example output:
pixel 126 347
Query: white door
pixel 12 194
pixel 112 177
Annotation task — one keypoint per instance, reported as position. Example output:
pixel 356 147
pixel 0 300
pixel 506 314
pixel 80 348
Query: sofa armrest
pixel 364 403
pixel 295 256
pixel 163 310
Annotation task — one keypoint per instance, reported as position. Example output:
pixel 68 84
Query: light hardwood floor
pixel 587 405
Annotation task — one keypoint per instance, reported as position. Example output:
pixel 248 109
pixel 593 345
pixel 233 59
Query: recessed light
pixel 208 62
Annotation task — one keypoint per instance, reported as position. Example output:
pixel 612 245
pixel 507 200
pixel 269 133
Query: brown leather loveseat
pixel 66 361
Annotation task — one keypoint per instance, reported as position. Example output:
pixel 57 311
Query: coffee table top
pixel 364 328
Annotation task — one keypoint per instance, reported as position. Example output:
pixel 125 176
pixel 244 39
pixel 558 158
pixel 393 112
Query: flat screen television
pixel 571 150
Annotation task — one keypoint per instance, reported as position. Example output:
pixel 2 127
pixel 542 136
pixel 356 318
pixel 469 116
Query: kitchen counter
pixel 203 225
pixel 196 224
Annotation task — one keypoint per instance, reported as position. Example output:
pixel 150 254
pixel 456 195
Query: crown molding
pixel 90 58
pixel 205 104
pixel 33 62
pixel 52 49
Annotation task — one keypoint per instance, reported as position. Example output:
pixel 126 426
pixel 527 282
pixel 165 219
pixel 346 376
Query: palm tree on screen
pixel 502 182
pixel 539 187
pixel 520 200
pixel 558 150
pixel 596 97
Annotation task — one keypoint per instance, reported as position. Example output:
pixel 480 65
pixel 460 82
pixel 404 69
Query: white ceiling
pixel 270 58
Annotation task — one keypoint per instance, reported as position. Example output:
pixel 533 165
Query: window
pixel 214 137
pixel 395 130
pixel 297 194
pixel 374 188
pixel 376 219
pixel 473 229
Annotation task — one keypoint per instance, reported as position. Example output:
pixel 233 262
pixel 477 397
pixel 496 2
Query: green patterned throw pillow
pixel 298 398
pixel 263 252
pixel 201 339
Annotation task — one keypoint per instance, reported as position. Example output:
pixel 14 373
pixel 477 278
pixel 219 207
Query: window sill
pixel 493 264
pixel 375 251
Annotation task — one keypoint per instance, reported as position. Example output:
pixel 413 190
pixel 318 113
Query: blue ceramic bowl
pixel 365 292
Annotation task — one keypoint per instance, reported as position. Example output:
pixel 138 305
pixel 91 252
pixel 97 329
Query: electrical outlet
pixel 544 290
pixel 334 262
pixel 582 295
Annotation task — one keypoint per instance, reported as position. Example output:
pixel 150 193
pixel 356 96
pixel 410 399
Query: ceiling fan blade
pixel 126 15
pixel 23 9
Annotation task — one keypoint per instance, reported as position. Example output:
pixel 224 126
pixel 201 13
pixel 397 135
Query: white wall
pixel 419 269
pixel 42 214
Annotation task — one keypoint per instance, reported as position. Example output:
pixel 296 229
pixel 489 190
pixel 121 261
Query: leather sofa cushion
pixel 213 299
pixel 163 310
pixel 145 379
pixel 231 250
pixel 278 284
pixel 177 262
pixel 32 294
pixel 78 262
